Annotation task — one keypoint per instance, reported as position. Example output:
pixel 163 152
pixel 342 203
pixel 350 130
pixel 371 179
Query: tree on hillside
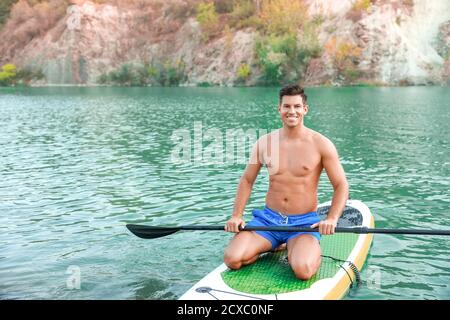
pixel 8 73
pixel 5 8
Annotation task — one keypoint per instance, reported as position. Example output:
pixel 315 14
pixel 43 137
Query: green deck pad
pixel 271 273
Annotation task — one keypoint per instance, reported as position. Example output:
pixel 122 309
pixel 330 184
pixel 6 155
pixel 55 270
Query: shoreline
pixel 362 85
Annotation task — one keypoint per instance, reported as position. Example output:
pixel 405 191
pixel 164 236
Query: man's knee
pixel 232 261
pixel 305 270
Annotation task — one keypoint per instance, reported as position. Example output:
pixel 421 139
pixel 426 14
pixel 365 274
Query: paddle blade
pixel 149 232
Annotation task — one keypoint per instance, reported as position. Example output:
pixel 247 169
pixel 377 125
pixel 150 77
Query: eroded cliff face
pixel 398 41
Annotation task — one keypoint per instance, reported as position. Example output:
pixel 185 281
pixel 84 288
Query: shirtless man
pixel 294 171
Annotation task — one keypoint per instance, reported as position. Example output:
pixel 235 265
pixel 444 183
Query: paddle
pixel 150 232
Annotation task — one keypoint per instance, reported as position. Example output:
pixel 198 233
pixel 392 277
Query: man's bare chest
pixel 297 159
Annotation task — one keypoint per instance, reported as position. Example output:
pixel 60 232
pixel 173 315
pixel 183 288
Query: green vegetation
pixel 207 17
pixel 170 74
pixel 345 57
pixel 244 14
pixel 206 13
pixel 287 37
pixel 243 73
pixel 161 74
pixel 205 84
pixel 273 53
pixel 27 74
pixel 362 5
pixel 10 75
pixel 284 58
pixel 127 75
pixel 369 83
pixel 281 17
pixel 269 17
pixel 223 6
pixel 5 9
pixel 309 45
pixel 352 74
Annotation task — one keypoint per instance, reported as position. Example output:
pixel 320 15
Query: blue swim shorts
pixel 268 217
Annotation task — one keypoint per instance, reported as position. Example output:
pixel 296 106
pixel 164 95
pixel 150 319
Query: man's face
pixel 292 110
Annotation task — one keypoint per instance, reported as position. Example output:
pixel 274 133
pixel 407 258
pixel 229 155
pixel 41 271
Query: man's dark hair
pixel 293 90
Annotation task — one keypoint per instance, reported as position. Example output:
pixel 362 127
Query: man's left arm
pixel 336 174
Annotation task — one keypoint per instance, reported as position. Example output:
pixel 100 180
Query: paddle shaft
pixel 358 230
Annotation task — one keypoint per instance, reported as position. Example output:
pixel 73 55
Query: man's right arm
pixel 244 190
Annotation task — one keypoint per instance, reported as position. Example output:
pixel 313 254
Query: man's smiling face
pixel 292 110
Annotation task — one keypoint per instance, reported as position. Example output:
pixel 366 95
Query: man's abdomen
pixel 291 198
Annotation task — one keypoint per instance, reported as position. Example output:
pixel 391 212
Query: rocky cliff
pixel 385 42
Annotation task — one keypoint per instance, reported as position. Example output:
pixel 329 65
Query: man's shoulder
pixel 321 140
pixel 317 136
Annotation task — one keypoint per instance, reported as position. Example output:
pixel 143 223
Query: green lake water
pixel 77 164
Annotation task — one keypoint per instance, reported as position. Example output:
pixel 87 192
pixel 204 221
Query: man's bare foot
pixel 280 247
